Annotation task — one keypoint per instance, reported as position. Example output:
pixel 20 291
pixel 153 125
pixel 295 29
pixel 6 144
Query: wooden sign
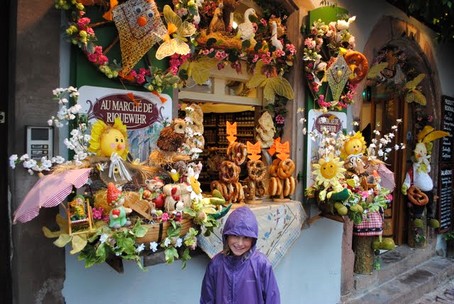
pixel 445 197
pixel 447 124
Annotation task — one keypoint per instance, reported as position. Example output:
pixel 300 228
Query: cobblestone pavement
pixel 444 294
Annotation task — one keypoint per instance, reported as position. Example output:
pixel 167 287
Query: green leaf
pixel 257 80
pixel 185 257
pixel 200 69
pixel 101 252
pixel 282 87
pixel 171 254
pixel 139 230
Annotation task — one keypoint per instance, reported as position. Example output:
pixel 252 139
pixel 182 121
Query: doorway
pixel 388 98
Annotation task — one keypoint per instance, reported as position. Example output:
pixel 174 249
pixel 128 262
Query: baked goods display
pixel 282 183
pixel 276 180
pixel 229 174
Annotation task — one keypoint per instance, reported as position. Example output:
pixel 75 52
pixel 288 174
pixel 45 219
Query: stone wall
pixel 37 265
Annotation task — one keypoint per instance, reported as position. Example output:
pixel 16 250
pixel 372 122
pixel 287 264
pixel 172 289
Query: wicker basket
pixel 157 232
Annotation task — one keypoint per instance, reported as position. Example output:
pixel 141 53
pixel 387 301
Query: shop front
pixel 280 107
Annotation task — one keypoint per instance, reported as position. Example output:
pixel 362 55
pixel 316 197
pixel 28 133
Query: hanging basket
pixel 158 231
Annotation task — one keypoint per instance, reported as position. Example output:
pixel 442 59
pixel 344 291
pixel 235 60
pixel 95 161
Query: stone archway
pixel 416 46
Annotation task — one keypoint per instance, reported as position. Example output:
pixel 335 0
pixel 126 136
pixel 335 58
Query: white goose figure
pixel 246 29
pixel 274 40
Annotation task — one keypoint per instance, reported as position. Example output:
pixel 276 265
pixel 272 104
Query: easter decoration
pixel 418 187
pixel 332 67
pixel 182 44
pixel 348 184
pixel 139 26
pixel 116 209
pixel 365 183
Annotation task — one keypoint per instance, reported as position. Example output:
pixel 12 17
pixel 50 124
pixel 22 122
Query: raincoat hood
pixel 241 222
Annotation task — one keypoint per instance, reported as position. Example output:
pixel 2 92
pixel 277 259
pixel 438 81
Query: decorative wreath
pixel 186 35
pixel 329 57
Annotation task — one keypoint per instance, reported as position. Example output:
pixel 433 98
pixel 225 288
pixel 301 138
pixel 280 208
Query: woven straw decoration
pixel 338 74
pixel 136 40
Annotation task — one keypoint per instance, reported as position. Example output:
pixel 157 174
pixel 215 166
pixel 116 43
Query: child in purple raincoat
pixel 240 273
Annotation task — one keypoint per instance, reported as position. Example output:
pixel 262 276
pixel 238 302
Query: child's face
pixel 239 244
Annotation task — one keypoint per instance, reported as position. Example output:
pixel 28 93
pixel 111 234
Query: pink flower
pixel 291 48
pixel 83 22
pixel 280 120
pixel 279 53
pixel 165 217
pixel 97 213
pixel 220 55
pixel 309 43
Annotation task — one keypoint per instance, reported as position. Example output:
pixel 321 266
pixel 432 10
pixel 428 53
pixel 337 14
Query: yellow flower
pixel 328 171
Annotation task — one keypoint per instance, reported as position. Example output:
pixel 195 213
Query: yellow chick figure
pixel 108 139
pixel 354 145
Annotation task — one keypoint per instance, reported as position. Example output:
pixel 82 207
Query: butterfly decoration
pixel 175 41
pixel 413 94
pixel 272 85
pixel 376 70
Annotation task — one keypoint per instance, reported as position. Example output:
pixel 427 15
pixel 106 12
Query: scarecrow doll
pixel 418 184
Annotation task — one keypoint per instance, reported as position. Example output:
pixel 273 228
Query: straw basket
pixel 158 231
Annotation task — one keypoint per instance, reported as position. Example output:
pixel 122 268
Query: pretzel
pixel 292 185
pixel 272 186
pixel 260 188
pixel 358 64
pixel 274 166
pixel 275 186
pixel 416 196
pixel 237 152
pixel 249 191
pixel 239 192
pixel 286 168
pixel 256 169
pixel 279 187
pixel 229 172
pixel 289 186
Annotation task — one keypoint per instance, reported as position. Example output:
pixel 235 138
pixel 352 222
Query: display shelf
pixel 216 140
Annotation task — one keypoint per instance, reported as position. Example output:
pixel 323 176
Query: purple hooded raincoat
pixel 248 279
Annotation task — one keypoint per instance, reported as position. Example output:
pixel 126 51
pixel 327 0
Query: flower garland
pixel 324 43
pixel 81 32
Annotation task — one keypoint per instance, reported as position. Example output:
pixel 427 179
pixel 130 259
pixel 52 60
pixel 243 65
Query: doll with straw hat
pixel 418 184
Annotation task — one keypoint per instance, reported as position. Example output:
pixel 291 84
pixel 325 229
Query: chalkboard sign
pixel 445 197
pixel 447 124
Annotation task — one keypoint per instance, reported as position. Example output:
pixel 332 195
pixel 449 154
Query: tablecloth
pixel 280 225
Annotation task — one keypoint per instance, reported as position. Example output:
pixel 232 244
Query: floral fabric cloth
pixel 279 227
